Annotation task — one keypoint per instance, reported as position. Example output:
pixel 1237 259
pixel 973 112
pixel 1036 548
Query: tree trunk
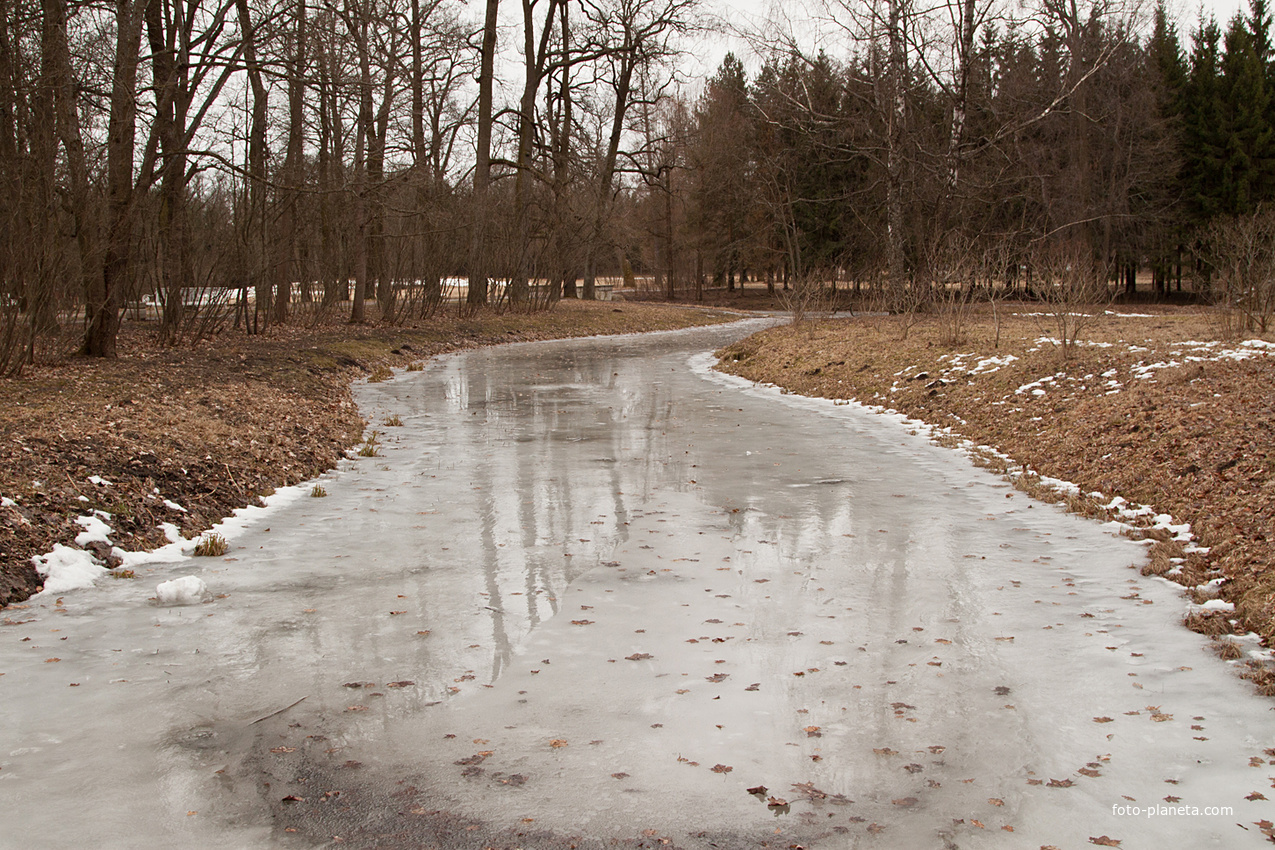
pixel 105 296
pixel 293 171
pixel 477 266
pixel 255 226
pixel 607 175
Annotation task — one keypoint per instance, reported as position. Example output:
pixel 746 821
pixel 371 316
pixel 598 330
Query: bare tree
pixel 635 34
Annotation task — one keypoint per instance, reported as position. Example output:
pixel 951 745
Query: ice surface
pixel 586 578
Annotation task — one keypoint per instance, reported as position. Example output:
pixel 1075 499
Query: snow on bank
pixel 67 568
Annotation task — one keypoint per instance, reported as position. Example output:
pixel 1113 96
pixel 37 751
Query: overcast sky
pixel 752 14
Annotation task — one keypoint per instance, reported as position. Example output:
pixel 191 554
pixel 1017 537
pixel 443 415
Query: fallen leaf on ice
pixel 721 768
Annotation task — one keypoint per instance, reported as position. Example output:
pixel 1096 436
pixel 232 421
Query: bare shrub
pixel 1073 288
pixel 1242 256
pixel 807 295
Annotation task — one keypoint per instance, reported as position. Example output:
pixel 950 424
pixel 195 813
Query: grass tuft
pixel 211 546
pixel 370 446
pixel 318 492
pixel 379 374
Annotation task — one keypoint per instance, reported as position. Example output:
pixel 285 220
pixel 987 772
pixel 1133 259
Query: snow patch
pixel 95 531
pixel 67 569
pixel 187 590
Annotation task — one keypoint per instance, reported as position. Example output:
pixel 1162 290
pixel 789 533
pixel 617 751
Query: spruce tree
pixel 1248 158
pixel 1202 132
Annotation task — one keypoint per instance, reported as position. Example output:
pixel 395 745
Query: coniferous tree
pixel 1248 157
pixel 1202 133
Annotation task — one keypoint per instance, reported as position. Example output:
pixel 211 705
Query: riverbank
pixel 1150 407
pixel 187 435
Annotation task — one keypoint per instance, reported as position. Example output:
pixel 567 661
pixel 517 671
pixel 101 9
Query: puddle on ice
pixel 589 591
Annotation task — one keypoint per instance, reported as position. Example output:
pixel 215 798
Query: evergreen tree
pixel 1165 53
pixel 1203 140
pixel 1248 157
pixel 1168 73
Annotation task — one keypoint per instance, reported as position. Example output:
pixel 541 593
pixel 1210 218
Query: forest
pixel 218 164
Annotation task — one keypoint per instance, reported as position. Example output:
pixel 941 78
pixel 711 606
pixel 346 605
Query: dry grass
pixel 211 545
pixel 1192 439
pixel 215 427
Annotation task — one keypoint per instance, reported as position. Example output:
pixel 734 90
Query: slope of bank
pixel 1149 408
pixel 184 436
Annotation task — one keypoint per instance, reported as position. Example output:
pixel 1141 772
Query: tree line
pixel 1076 148
pixel 270 161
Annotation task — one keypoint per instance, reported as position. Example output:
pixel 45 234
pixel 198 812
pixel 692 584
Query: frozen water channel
pixel 590 591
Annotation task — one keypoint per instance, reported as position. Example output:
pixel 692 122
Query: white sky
pixel 745 14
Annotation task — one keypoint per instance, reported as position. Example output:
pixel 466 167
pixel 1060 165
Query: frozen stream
pixel 590 591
